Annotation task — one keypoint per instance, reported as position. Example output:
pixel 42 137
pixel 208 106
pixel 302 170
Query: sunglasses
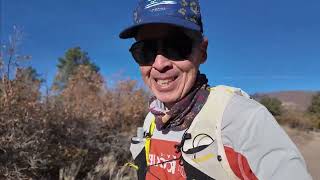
pixel 176 48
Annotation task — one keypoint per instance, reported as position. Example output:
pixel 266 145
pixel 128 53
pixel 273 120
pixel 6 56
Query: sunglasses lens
pixel 143 52
pixel 174 48
pixel 178 48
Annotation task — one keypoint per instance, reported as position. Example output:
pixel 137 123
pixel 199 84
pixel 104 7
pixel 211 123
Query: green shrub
pixel 274 105
pixel 314 108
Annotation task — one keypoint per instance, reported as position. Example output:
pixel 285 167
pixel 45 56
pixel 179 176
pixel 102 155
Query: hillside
pixel 296 100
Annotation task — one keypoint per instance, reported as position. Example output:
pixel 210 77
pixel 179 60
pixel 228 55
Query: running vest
pixel 202 151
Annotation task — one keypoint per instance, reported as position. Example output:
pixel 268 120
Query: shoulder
pixel 240 108
pixel 250 129
pixel 243 118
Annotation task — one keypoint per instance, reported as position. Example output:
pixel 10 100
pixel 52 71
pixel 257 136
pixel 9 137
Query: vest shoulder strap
pixel 208 123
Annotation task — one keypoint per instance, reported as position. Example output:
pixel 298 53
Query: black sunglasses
pixel 177 48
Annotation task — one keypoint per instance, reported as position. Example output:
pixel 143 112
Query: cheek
pixel 191 76
pixel 187 66
pixel 189 72
pixel 145 73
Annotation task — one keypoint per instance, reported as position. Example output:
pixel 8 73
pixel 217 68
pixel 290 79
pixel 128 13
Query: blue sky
pixel 259 46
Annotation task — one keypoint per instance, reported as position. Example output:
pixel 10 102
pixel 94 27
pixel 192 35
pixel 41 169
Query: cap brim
pixel 131 31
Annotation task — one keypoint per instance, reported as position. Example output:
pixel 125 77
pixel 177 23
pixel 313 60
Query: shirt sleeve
pixel 249 129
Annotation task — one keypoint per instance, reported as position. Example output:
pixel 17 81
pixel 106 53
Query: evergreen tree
pixel 28 75
pixel 68 64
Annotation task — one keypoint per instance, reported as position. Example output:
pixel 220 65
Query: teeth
pixel 164 82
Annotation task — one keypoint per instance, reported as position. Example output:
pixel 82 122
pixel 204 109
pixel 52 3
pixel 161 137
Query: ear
pixel 203 49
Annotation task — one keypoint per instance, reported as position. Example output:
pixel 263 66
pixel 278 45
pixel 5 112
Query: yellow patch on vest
pixel 203 158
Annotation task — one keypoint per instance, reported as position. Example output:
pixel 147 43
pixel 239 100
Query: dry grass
pixel 300 120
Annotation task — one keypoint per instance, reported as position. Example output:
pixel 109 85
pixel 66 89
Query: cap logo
pixel 152 3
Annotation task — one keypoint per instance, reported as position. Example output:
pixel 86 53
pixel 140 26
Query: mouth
pixel 165 82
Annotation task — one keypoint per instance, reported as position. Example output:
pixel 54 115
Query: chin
pixel 167 98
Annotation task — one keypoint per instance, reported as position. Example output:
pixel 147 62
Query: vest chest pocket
pixel 202 150
pixel 203 156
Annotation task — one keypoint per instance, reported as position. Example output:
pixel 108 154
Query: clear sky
pixel 260 46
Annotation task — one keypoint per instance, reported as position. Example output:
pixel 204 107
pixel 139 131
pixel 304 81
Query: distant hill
pixel 296 100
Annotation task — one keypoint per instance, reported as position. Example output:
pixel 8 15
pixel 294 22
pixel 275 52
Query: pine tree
pixel 73 58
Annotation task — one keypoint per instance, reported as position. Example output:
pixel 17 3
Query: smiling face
pixel 170 80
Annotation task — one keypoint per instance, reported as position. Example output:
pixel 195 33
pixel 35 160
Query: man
pixel 194 131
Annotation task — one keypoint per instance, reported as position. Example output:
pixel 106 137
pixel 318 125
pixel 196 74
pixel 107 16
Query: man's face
pixel 170 79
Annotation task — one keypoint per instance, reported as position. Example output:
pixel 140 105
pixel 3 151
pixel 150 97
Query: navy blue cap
pixel 181 13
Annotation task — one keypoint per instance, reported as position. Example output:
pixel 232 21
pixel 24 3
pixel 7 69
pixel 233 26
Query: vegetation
pixel 296 119
pixel 315 104
pixel 273 105
pixel 314 110
pixel 68 64
pixel 79 132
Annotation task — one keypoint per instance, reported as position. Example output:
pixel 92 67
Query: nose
pixel 161 63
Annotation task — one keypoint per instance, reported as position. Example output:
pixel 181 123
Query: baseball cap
pixel 180 13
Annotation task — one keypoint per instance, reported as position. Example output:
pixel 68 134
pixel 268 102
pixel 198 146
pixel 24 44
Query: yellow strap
pixel 132 165
pixel 147 149
pixel 203 158
pixel 152 126
pixel 148 139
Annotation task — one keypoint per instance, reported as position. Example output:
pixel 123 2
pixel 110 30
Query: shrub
pixel 314 108
pixel 296 119
pixel 79 130
pixel 83 133
pixel 272 104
